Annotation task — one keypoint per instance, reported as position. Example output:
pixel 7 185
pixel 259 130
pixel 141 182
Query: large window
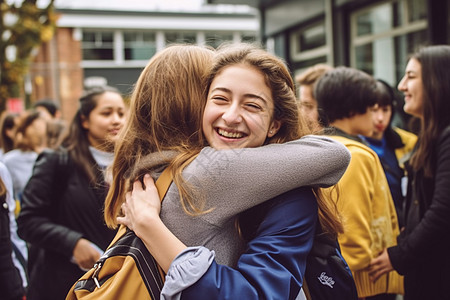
pixel 308 45
pixel 98 45
pixel 311 38
pixel 383 36
pixel 139 45
pixel 125 48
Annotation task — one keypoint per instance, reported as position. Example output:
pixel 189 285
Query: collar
pixel 336 131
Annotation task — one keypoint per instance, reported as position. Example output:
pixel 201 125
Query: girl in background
pixel 29 141
pixel 62 213
pixel 422 251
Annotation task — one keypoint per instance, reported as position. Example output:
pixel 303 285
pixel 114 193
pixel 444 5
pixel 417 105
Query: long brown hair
pixel 435 63
pixel 166 111
pixel 75 139
pixel 293 124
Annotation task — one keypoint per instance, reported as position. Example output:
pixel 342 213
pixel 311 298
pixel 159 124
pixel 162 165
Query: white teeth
pixel 234 135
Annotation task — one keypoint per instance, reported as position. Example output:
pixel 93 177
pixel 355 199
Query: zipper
pixel 97 268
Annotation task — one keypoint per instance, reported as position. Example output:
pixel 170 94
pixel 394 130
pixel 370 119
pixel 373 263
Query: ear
pixel 273 128
pixel 84 122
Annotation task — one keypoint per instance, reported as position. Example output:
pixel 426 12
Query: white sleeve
pixel 185 270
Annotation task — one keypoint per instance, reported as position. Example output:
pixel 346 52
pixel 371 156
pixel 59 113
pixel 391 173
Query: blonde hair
pixel 166 111
pixel 312 74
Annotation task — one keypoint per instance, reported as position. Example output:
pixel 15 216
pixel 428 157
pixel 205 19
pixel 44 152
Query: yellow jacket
pixel 370 220
pixel 409 140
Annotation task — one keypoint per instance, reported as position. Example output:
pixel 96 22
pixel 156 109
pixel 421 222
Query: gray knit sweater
pixel 234 180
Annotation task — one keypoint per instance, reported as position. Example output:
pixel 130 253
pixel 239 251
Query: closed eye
pixel 219 99
pixel 253 106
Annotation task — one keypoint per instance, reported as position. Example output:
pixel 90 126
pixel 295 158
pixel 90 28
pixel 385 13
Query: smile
pixel 229 134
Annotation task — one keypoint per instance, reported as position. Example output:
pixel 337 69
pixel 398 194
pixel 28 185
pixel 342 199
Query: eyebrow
pixel 248 95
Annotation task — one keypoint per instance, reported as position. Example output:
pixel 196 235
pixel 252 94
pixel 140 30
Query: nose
pixel 402 84
pixel 378 115
pixel 232 115
pixel 117 118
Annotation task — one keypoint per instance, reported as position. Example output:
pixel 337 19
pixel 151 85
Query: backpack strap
pixel 164 181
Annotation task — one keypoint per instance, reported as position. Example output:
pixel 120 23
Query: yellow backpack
pixel 126 270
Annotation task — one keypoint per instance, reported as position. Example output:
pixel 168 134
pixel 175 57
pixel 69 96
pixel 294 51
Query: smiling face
pixel 239 109
pixel 105 120
pixel 412 87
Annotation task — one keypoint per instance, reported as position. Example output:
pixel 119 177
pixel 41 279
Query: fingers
pixel 89 262
pixel 377 269
pixel 137 185
pixel 374 276
pixel 148 183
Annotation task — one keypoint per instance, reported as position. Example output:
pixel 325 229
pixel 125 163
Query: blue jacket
pixel 274 263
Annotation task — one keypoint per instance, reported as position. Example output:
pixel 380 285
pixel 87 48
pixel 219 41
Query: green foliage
pixel 24 27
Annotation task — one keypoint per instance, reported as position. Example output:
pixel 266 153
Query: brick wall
pixel 56 72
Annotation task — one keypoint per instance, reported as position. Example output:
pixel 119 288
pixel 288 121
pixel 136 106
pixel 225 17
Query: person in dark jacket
pixel 423 247
pixel 62 212
pixel 10 282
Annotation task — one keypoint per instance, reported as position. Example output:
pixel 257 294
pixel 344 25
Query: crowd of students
pixel 257 170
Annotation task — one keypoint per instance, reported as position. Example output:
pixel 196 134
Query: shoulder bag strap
pixel 163 182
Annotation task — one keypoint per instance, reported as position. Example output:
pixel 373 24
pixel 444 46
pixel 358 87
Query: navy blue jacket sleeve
pixel 274 263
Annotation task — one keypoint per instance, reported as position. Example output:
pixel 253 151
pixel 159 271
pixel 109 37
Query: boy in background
pixel 346 97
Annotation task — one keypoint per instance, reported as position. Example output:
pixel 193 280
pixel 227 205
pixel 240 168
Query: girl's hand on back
pixel 142 205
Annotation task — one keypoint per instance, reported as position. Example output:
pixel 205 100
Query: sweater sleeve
pixel 237 179
pixel 435 223
pixel 273 265
pixel 36 223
